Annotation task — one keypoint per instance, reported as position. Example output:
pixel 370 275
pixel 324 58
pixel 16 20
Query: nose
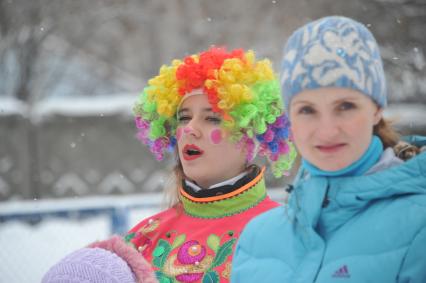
pixel 192 129
pixel 327 128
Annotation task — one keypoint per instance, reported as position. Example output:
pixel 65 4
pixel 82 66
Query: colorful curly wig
pixel 244 91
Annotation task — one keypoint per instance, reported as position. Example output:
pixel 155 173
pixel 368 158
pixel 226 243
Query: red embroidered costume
pixel 195 242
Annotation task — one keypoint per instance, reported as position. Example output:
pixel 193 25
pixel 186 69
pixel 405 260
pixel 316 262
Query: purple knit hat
pixel 90 265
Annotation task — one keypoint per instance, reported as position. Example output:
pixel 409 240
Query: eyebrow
pixel 302 102
pixel 352 98
pixel 208 109
pixel 340 100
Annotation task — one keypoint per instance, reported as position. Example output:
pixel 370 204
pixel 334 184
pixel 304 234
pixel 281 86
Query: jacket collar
pixel 236 201
pixel 325 203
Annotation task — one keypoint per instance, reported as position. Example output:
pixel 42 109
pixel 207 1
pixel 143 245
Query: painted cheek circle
pixel 216 136
pixel 178 133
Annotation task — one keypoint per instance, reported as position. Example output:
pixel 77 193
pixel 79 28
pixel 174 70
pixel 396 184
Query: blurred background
pixel 71 169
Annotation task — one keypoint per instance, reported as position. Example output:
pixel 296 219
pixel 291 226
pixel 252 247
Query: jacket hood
pixel 404 179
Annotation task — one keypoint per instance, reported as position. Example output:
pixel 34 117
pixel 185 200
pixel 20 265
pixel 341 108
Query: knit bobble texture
pixel 90 265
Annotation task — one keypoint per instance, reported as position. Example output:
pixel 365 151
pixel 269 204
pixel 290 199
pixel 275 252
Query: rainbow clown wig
pixel 245 92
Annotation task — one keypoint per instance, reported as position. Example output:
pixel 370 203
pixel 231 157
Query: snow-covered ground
pixel 28 250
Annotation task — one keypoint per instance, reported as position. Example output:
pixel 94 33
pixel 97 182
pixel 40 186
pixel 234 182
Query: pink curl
pixel 281 122
pixel 159 156
pixel 158 147
pixel 249 145
pixel 283 147
pixel 143 130
pixel 142 135
pixel 269 135
pixel 274 157
pixel 263 149
pixel 141 124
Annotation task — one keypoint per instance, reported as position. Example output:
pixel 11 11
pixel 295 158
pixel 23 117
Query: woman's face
pixel 207 155
pixel 332 127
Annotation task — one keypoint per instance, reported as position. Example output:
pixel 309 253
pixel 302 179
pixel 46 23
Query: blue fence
pixel 119 216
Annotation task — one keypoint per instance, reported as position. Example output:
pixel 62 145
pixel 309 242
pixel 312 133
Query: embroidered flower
pixel 189 261
pixel 191 252
pixel 140 239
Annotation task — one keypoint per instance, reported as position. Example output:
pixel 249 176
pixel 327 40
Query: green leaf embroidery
pixel 211 277
pixel 160 253
pixel 162 278
pixel 128 237
pixel 224 251
pixel 213 241
pixel 179 240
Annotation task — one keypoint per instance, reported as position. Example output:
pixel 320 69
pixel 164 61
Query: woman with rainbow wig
pixel 215 111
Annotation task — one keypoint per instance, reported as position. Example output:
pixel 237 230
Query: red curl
pixel 192 75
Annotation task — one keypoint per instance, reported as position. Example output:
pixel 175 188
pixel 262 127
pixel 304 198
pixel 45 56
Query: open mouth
pixel 191 152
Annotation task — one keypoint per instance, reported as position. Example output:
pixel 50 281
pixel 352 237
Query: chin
pixel 196 177
pixel 337 167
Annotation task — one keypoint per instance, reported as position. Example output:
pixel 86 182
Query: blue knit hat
pixel 333 52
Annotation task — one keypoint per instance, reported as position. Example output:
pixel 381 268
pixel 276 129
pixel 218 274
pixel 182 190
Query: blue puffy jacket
pixel 352 229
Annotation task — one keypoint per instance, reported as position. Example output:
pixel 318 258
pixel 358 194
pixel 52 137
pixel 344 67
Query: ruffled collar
pixel 230 182
pixel 227 200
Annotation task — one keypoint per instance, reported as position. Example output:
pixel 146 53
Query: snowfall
pixel 35 234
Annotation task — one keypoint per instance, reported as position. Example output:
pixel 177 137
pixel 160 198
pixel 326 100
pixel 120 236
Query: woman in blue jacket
pixel 358 211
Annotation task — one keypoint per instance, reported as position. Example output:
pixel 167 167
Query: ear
pixel 378 115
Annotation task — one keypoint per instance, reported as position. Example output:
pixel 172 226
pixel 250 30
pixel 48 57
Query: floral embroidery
pixel 191 252
pixel 192 262
pixel 141 236
pixel 226 273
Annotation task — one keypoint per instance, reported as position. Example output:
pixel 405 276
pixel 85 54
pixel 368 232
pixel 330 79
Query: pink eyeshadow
pixel 216 136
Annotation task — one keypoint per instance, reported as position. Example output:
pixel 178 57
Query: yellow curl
pixel 164 90
pixel 235 77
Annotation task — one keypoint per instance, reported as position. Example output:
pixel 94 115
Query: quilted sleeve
pixel 242 260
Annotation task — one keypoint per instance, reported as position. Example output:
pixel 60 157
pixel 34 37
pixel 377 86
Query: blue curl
pixel 273 146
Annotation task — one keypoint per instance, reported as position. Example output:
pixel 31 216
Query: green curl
pixel 245 113
pixel 284 163
pixel 158 128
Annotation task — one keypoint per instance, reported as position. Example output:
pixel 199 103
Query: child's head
pixel 241 115
pixel 93 265
pixel 202 141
